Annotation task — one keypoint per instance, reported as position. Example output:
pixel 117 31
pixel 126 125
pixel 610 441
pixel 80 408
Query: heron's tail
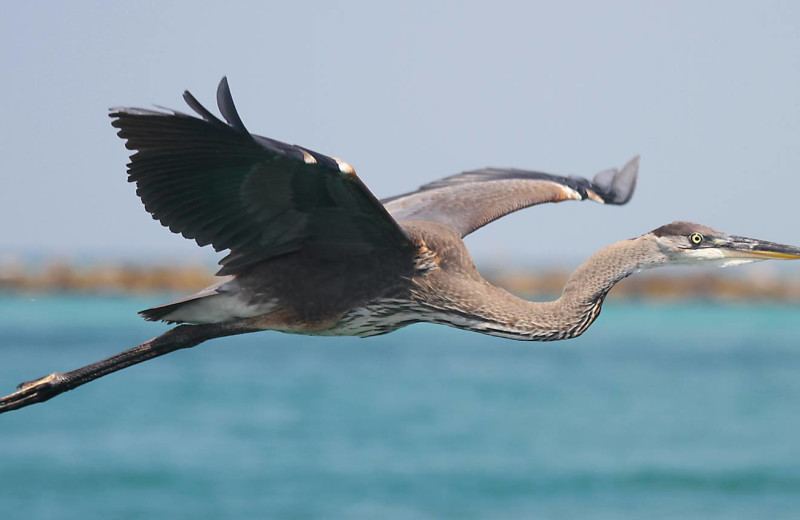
pixel 163 312
pixel 216 304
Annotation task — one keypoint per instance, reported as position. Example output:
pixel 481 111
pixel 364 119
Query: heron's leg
pixel 183 336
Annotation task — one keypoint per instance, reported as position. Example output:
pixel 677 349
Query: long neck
pixel 591 281
pixel 499 313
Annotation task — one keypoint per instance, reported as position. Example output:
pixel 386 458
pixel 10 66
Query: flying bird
pixel 313 251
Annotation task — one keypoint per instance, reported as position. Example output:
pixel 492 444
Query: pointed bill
pixel 743 247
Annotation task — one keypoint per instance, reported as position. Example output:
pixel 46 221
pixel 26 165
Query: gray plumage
pixel 312 251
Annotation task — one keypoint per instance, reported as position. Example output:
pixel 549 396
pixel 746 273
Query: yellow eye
pixel 696 238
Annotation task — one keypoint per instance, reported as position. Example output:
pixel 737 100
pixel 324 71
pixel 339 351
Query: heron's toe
pixel 55 377
pixel 31 392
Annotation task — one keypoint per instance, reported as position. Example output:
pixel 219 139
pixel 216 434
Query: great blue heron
pixel 312 251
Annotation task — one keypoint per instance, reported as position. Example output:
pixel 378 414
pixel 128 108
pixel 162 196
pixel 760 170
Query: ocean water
pixel 658 411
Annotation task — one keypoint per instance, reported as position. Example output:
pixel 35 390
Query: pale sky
pixel 707 92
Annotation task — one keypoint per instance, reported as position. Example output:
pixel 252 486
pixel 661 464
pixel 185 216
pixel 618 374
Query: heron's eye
pixel 696 238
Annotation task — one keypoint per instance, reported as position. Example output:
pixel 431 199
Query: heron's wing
pixel 218 184
pixel 470 200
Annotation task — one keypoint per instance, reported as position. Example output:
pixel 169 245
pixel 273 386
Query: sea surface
pixel 659 411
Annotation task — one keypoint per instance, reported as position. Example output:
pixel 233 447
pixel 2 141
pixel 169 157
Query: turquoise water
pixel 658 411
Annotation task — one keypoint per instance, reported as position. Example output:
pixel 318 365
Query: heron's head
pixel 689 243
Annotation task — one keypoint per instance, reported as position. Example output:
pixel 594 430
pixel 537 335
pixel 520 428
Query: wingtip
pixel 624 183
pixel 226 106
pixel 223 89
pixel 633 164
pixel 617 186
pixel 199 108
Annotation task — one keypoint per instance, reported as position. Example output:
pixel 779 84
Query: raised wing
pixel 218 184
pixel 470 200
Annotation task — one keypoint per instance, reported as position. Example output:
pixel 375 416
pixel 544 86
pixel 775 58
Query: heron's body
pixel 435 283
pixel 312 251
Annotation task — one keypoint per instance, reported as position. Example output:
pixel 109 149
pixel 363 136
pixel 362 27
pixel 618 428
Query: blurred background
pixel 681 401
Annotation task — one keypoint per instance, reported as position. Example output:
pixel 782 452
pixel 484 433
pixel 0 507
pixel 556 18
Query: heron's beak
pixel 751 248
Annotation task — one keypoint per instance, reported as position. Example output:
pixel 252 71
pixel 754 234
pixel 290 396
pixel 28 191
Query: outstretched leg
pixel 182 336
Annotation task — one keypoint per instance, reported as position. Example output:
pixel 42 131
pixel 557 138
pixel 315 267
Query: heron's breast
pixel 376 317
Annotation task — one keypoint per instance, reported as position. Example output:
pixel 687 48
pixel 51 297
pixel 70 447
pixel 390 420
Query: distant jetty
pixel 123 278
pixel 105 278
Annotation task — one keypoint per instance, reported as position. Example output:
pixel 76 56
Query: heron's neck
pixel 502 314
pixel 587 287
pixel 591 281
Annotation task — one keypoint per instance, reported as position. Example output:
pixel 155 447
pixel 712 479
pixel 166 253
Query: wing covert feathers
pixel 470 200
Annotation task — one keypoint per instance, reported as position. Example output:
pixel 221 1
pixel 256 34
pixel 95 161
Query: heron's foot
pixel 30 392
pixel 55 377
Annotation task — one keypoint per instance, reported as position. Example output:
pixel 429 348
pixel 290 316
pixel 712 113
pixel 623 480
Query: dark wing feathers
pixel 212 181
pixel 227 108
pixel 470 200
pixel 217 184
